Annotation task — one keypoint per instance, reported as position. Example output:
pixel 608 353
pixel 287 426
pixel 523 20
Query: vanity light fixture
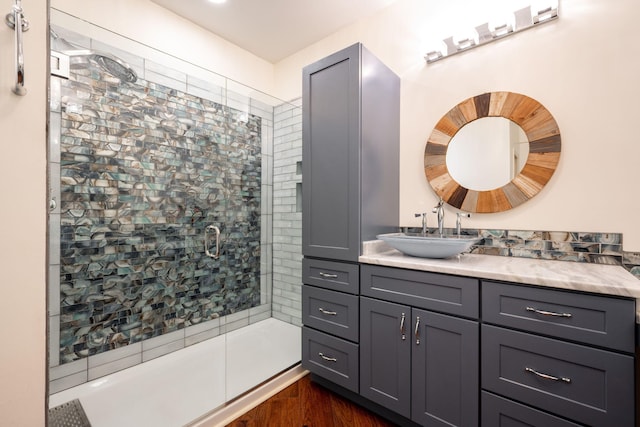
pixel 501 31
pixel 545 15
pixel 524 19
pixel 433 56
pixel 465 44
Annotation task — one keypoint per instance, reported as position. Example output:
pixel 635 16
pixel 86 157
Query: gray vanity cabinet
pixel 330 314
pixel 350 182
pixel 350 155
pixel 419 363
pixel 445 350
pixel 565 353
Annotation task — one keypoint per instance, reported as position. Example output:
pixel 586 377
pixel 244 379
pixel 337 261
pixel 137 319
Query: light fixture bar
pixel 524 19
pixel 545 15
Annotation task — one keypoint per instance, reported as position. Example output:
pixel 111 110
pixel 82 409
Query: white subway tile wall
pixel 287 220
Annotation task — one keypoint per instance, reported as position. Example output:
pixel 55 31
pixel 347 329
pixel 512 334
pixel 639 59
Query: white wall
pixel 23 225
pixel 583 68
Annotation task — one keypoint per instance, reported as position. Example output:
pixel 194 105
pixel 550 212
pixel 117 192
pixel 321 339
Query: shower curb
pixel 226 414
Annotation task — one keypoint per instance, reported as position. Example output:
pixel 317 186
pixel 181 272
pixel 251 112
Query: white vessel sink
pixel 428 246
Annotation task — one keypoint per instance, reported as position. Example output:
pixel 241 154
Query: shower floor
pixel 175 389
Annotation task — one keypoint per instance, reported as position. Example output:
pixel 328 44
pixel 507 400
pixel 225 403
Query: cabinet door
pixel 331 156
pixel 445 370
pixel 385 354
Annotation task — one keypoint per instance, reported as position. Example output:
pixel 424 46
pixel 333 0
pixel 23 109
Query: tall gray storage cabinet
pixel 350 183
pixel 350 155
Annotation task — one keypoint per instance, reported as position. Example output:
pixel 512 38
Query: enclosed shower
pixel 164 214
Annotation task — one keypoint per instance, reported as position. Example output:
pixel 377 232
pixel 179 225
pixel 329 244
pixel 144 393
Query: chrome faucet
pixel 439 209
pixel 459 221
pixel 424 222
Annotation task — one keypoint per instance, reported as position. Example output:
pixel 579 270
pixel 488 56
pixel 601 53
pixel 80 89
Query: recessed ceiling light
pixel 217 1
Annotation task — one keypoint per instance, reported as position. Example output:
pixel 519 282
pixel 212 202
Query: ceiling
pixel 274 29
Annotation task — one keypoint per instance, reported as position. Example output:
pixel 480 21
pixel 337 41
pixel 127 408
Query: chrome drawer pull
pixel 402 331
pixel 329 313
pixel 328 359
pixel 417 331
pixel 548 313
pixel 547 376
pixel 328 276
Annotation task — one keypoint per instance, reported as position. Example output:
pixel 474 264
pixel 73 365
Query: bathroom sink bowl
pixel 428 246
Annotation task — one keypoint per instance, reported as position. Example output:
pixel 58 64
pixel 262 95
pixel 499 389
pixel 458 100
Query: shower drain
pixel 68 414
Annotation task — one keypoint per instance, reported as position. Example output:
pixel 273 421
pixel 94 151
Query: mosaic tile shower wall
pixel 144 169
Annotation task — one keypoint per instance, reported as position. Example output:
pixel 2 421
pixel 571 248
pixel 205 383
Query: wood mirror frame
pixel 544 151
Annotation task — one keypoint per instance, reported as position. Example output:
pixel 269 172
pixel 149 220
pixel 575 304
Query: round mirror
pixel 469 170
pixel 487 153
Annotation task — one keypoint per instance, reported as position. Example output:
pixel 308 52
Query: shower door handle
pixel 207 243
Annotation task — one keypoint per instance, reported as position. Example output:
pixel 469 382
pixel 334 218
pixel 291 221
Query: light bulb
pixel 502 24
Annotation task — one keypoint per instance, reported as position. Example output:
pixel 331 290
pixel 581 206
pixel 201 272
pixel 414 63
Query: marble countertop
pixel 595 278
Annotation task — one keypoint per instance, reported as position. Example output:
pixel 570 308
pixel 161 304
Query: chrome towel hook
pixel 16 20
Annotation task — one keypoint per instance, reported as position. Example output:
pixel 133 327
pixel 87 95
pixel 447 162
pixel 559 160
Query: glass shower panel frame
pixel 171 76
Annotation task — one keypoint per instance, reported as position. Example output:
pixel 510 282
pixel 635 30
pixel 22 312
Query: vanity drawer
pixel 432 291
pixel 330 311
pixel 593 319
pixel 329 357
pixel 588 385
pixel 337 276
pixel 500 412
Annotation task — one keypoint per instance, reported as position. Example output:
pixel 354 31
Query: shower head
pixel 115 66
pixel 108 62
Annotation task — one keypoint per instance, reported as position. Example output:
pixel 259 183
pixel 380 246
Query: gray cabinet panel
pixel 331 156
pixel 592 386
pixel 592 319
pixel 385 363
pixel 500 412
pixel 432 291
pixel 337 276
pixel 380 154
pixel 332 312
pixel 350 131
pixel 445 370
pixel 332 358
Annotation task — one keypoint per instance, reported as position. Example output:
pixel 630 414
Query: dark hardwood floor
pixel 305 404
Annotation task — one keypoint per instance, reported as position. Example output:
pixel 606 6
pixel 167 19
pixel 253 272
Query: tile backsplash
pixel 596 248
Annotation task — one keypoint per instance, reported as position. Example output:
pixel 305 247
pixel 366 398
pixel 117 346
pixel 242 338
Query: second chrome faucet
pixel 439 210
